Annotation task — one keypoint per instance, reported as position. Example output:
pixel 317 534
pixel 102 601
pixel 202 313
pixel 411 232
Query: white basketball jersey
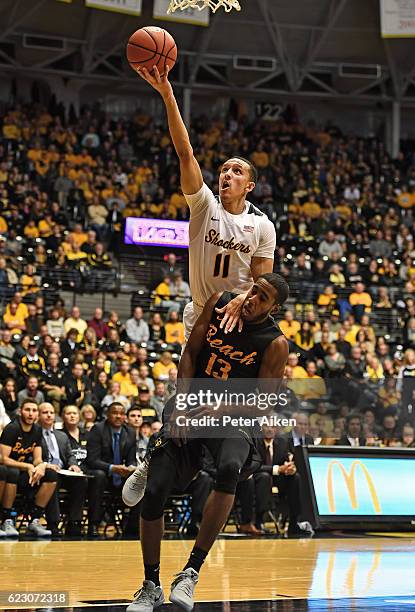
pixel 222 245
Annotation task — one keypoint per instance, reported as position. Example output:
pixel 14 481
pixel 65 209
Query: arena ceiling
pixel 316 48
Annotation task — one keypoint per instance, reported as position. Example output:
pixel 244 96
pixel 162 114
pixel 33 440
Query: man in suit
pixel 353 435
pixel 278 469
pixel 299 436
pixel 57 454
pixel 112 451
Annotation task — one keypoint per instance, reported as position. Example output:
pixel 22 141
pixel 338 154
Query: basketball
pixel 151 46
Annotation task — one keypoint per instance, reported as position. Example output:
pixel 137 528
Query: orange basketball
pixel 151 46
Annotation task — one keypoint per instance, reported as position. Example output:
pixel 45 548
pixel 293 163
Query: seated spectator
pixel 34 321
pixel 57 454
pixel 135 421
pixel 390 436
pixel 297 370
pixel 314 387
pixel 69 345
pixel 136 328
pixel 25 469
pixel 88 417
pixel 322 420
pixel 180 290
pixel 14 321
pixel 289 326
pixel 32 364
pixel 159 399
pixel 174 331
pixel 75 322
pixel 144 377
pixel 114 395
pixel 327 300
pixel 8 397
pixel 53 382
pixel 408 436
pixel 7 352
pixel 278 469
pixel 77 386
pixel 354 432
pixel 162 367
pixel 330 246
pixel 299 434
pixel 31 392
pixel 98 324
pixel 336 276
pixel 374 369
pixel 360 300
pixel 304 338
pixel 99 390
pixel 157 330
pixel 112 450
pixel 123 376
pixel 148 411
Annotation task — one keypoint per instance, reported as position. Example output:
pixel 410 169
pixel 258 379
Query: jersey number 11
pixel 221 269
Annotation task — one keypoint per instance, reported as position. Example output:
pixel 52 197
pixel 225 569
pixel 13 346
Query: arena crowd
pixel 343 212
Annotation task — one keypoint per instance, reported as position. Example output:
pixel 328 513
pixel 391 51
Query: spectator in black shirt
pixel 32 364
pixel 69 345
pixel 53 384
pixel 78 387
pixel 20 448
pixel 34 321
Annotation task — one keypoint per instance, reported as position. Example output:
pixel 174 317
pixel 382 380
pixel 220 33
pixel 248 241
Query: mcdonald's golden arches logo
pixel 349 479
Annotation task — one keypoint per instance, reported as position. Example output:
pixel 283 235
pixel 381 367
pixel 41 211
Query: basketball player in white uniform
pixel 231 242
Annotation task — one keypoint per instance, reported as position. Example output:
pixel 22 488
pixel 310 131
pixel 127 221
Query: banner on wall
pixel 130 7
pixel 190 15
pixel 397 18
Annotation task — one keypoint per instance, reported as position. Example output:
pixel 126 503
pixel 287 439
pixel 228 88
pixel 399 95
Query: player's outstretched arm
pixel 190 173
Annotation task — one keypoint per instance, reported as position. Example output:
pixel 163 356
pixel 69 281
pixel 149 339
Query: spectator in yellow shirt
pixel 13 320
pixel 311 208
pixel 304 338
pixel 360 297
pixel 31 230
pixel 123 377
pixel 174 329
pixel 78 235
pixel 327 299
pixel 162 367
pixel 289 326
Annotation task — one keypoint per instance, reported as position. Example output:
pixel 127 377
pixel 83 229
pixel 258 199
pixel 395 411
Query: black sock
pixel 152 572
pixel 6 514
pixel 37 512
pixel 196 559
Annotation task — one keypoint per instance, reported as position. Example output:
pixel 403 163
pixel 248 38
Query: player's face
pixel 29 413
pixel 260 302
pixel 235 180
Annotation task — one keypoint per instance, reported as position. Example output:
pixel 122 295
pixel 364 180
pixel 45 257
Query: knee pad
pixel 227 477
pixel 153 504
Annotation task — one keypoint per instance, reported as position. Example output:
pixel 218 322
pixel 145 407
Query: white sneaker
pixel 135 485
pixel 38 530
pixel 147 599
pixel 9 530
pixel 182 589
pixel 307 527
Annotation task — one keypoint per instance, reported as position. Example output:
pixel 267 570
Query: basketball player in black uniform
pixel 259 352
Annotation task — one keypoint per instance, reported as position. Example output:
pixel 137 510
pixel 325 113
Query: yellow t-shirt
pixel 174 333
pixel 162 371
pixel 289 329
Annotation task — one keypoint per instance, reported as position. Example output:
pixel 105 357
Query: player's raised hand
pixel 160 83
pixel 232 314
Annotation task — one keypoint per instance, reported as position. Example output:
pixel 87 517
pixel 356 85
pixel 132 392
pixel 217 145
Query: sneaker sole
pixel 158 604
pixel 181 605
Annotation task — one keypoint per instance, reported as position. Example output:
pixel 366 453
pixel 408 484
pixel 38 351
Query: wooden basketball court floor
pixel 243 575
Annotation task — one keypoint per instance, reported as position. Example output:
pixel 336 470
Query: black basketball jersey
pixel 236 354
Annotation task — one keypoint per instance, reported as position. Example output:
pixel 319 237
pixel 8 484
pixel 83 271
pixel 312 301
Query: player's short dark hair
pixel 352 416
pixel 252 170
pixel 27 400
pixel 280 284
pixel 133 408
pixel 114 406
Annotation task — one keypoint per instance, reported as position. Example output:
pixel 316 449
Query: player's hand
pixel 160 83
pixel 36 473
pixel 232 314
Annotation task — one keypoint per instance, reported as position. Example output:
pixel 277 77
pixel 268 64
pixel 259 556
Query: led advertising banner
pixel 397 18
pixel 156 232
pixel 363 486
pixel 130 7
